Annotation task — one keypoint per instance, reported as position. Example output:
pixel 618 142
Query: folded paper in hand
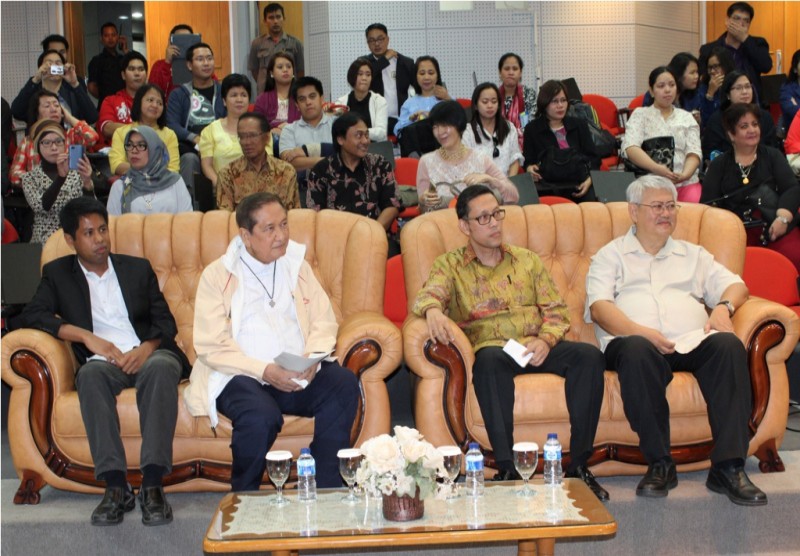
pixel 298 363
pixel 515 350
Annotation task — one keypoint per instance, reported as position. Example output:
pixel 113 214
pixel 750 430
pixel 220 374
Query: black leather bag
pixel 564 166
pixel 660 149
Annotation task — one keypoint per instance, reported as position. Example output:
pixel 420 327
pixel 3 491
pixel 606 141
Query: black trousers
pixel 256 411
pixel 580 364
pixel 98 384
pixel 719 364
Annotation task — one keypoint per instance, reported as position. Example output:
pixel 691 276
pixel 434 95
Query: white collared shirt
pixel 389 76
pixel 665 291
pixel 265 331
pixel 110 319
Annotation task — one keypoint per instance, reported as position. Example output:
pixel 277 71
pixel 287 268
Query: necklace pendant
pixel 745 180
pixel 271 303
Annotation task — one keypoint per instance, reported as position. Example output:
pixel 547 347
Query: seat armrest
pixel 443 371
pixel 755 313
pixel 27 351
pixel 370 346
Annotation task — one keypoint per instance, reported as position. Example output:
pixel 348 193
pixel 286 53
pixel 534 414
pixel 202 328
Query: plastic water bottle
pixel 306 476
pixel 474 482
pixel 552 460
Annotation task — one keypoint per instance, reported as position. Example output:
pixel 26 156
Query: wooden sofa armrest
pixel 441 392
pixel 29 355
pixel 371 346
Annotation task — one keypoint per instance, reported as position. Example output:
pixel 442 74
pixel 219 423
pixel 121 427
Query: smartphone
pixel 56 70
pixel 75 154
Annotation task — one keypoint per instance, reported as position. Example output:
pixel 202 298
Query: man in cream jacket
pixel 257 301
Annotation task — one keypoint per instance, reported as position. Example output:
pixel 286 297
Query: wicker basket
pixel 403 508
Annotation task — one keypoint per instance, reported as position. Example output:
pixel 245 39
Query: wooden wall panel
pixel 73 31
pixel 293 13
pixel 210 19
pixel 778 22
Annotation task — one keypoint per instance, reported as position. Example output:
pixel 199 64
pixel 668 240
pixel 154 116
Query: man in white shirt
pixel 123 335
pixel 645 294
pixel 257 301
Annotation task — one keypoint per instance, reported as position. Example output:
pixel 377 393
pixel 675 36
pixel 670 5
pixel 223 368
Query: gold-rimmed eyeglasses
pixel 658 208
pixel 484 219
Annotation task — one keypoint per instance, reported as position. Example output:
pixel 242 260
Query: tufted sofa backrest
pixel 565 237
pixel 347 253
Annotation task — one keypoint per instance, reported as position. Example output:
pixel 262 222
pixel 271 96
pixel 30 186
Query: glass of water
pixel 279 463
pixel 452 464
pixel 349 460
pixel 526 455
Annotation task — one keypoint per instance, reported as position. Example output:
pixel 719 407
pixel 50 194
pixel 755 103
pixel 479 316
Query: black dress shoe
pixel 155 508
pixel 507 475
pixel 660 478
pixel 116 501
pixel 736 485
pixel 586 476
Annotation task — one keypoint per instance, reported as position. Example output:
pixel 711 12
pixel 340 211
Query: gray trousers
pixel 156 383
pixel 189 165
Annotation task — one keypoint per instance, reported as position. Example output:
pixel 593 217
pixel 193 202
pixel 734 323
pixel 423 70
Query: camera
pixel 56 70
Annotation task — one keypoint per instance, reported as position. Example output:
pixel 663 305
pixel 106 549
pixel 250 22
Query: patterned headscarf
pixel 155 176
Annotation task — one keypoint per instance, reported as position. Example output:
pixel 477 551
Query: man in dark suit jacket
pixel 392 73
pixel 750 54
pixel 123 335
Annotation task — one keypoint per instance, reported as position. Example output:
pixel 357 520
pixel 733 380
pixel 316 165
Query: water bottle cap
pixel 305 451
pixel 473 445
pixel 551 435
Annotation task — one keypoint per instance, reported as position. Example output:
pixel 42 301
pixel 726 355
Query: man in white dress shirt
pixel 645 294
pixel 257 301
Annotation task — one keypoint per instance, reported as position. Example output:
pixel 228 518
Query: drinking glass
pixel 525 456
pixel 452 464
pixel 279 463
pixel 349 460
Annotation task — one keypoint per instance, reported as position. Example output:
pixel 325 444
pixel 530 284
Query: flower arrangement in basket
pixel 403 469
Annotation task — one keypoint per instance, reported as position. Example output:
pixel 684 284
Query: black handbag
pixel 564 165
pixel 660 149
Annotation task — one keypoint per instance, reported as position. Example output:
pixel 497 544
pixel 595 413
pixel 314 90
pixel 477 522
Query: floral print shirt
pixel 367 191
pixel 515 299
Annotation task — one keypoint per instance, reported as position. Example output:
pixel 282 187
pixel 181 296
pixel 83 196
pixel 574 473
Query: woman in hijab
pixel 148 186
pixel 51 184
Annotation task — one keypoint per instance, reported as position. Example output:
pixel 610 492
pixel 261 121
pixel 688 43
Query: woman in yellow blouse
pixel 148 109
pixel 219 142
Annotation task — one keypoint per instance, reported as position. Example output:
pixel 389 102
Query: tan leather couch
pixel 46 433
pixel 565 237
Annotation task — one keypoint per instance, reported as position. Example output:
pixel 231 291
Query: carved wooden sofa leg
pixel 29 487
pixel 768 459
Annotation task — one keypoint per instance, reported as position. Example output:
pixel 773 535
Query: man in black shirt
pixel 392 73
pixel 105 77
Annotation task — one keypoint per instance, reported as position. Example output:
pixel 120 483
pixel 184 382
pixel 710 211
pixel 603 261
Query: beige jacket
pixel 217 317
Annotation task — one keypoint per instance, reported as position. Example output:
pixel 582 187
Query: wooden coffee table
pixel 245 522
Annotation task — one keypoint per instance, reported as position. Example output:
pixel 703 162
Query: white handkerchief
pixel 301 381
pixel 515 350
pixel 690 340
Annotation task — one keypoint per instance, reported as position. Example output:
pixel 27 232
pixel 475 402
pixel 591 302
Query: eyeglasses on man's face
pixel 658 208
pixel 376 40
pixel 484 219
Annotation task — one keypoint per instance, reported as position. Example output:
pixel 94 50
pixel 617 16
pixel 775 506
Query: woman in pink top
pixel 445 172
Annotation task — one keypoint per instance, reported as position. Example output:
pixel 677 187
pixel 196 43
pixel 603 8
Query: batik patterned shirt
pixel 515 299
pixel 239 179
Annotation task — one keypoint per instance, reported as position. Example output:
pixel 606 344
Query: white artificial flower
pixel 383 454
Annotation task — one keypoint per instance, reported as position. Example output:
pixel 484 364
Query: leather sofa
pixel 565 237
pixel 47 437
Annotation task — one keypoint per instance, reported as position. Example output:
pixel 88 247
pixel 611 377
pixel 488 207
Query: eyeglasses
pixel 51 142
pixel 136 147
pixel 376 40
pixel 484 219
pixel 249 136
pixel 658 208
pixel 740 88
pixel 714 67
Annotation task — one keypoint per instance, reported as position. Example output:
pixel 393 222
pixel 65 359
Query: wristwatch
pixel 728 305
pixel 784 220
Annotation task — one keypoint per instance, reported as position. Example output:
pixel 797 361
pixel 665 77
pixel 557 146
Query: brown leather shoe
pixel 582 472
pixel 660 478
pixel 116 501
pixel 155 508
pixel 736 485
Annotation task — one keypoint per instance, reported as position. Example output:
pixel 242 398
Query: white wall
pixel 608 47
